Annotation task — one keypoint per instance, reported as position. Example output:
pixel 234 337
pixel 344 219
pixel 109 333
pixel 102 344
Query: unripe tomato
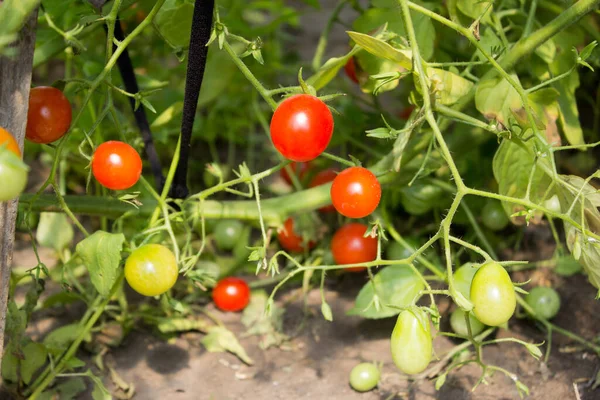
pixel 49 115
pixel 459 324
pixel 290 240
pixel 349 246
pixel 397 251
pixel 493 295
pixel 323 177
pixel 151 270
pixel 405 113
pixel 355 192
pixel 364 377
pixel 300 170
pixel 228 233
pixel 463 278
pixel 545 301
pixel 411 342
pixel 8 140
pixel 350 69
pixel 553 204
pixel 116 165
pixel 231 294
pixel 493 216
pixel 13 175
pixel 301 127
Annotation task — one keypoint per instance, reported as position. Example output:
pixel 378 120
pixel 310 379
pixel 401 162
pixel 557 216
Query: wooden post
pixel 15 81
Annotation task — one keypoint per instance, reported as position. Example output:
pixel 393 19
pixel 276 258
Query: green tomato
pixel 228 233
pixel 364 377
pixel 553 204
pixel 463 278
pixel 545 302
pixel 459 324
pixel 411 342
pixel 493 295
pixel 419 198
pixel 493 216
pixel 151 270
pixel 397 251
pixel 13 175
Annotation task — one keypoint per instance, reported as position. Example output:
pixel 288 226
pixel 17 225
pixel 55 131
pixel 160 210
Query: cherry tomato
pixel 463 278
pixel 459 324
pixel 301 127
pixel 116 165
pixel 151 270
pixel 355 192
pixel 323 177
pixel 493 295
pixel 411 342
pixel 231 294
pixel 290 240
pixel 350 69
pixel 397 251
pixel 13 175
pixel 349 246
pixel 545 301
pixel 49 115
pixel 493 216
pixel 228 233
pixel 300 170
pixel 364 377
pixel 8 140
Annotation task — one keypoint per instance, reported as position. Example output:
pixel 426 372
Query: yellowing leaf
pixel 448 87
pixel 382 49
pixel 495 98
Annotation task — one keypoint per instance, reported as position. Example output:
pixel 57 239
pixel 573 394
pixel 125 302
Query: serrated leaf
pixel 379 48
pixel 54 231
pixel 448 87
pixel 101 254
pixel 495 98
pixel 220 339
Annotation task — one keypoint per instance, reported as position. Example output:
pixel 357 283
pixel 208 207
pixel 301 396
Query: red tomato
pixel 231 294
pixel 290 240
pixel 9 141
pixel 301 127
pixel 49 115
pixel 116 165
pixel 349 246
pixel 355 192
pixel 350 69
pixel 300 169
pixel 405 114
pixel 323 177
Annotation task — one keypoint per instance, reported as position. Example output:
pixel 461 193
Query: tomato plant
pixel 292 241
pixel 545 301
pixel 227 233
pixel 151 270
pixel 355 192
pixel 321 178
pixel 364 377
pixel 411 342
pixel 301 127
pixel 350 246
pixel 116 165
pixel 49 115
pixel 8 140
pixel 231 294
pixel 493 295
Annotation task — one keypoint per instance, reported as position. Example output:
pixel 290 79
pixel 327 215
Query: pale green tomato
pixel 364 377
pixel 13 175
pixel 411 342
pixel 493 295
pixel 459 324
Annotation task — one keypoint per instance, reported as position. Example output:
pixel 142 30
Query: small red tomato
pixel 350 69
pixel 49 115
pixel 323 177
pixel 349 246
pixel 300 169
pixel 116 165
pixel 290 240
pixel 301 127
pixel 355 192
pixel 231 294
pixel 8 140
pixel 405 113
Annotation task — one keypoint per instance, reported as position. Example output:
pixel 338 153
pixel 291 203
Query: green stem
pixel 317 59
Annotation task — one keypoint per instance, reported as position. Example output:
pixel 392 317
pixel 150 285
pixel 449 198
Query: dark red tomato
pixel 231 294
pixel 300 169
pixel 323 177
pixel 355 192
pixel 350 69
pixel 290 240
pixel 116 165
pixel 349 246
pixel 49 115
pixel 8 140
pixel 405 114
pixel 301 127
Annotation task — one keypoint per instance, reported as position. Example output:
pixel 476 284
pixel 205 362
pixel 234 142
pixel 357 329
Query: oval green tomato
pixel 493 295
pixel 364 377
pixel 463 278
pixel 545 301
pixel 458 323
pixel 397 251
pixel 493 216
pixel 411 342
pixel 13 175
pixel 228 233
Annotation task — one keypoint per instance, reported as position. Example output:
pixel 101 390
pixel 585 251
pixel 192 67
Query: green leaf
pixel 174 23
pixel 567 266
pixel 448 86
pixel 395 285
pixel 495 98
pixel 60 338
pixel 329 70
pixel 100 391
pixel 34 358
pixel 54 231
pixel 439 382
pixel 258 322
pixel 13 14
pixel 101 254
pixel 588 50
pixel 490 42
pixel 475 9
pixel 220 339
pixel 381 49
pixel 66 390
